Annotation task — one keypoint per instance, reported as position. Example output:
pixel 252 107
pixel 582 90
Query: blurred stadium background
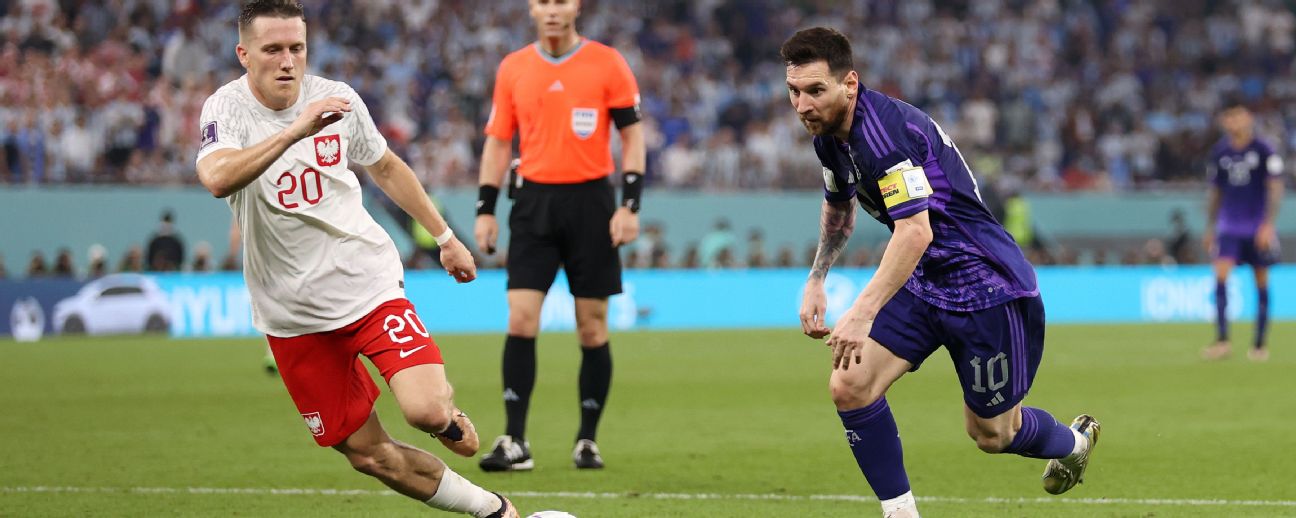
pixel 1088 124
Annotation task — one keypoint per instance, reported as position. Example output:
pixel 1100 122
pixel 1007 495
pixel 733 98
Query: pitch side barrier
pixel 210 305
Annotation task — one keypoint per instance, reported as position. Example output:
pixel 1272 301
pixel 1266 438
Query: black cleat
pixel 586 455
pixel 507 455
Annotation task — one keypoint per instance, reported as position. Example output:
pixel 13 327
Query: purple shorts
pixel 995 351
pixel 1242 250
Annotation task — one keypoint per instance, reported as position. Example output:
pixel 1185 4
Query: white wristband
pixel 445 237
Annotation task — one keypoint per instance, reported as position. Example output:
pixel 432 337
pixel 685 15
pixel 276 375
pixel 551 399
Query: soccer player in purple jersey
pixel 1246 189
pixel 950 275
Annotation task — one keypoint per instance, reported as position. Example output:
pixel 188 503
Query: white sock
pixel 458 494
pixel 905 501
pixel 1081 443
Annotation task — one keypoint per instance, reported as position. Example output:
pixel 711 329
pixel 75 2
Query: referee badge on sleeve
pixel 584 121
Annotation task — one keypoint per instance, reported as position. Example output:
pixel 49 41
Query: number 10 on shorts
pixel 998 362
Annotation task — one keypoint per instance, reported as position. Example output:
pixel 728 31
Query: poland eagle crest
pixel 328 150
pixel 315 423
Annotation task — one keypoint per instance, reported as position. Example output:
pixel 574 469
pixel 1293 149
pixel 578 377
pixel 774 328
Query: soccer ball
pixel 551 514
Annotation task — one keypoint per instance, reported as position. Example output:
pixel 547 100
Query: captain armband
pixel 903 182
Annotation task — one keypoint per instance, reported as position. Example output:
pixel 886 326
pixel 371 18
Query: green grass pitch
pixel 708 424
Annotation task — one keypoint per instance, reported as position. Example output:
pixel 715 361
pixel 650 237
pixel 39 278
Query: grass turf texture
pixel 721 413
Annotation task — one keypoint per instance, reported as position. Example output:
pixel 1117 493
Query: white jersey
pixel 313 257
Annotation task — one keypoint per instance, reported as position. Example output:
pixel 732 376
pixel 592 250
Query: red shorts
pixel 326 379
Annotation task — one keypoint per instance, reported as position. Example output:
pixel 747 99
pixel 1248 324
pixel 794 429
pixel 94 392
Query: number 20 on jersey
pixel 305 187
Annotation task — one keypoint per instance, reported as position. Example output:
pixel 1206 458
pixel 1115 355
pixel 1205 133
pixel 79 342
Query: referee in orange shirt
pixel 563 93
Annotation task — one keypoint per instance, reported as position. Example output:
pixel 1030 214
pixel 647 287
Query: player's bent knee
pixel 991 443
pixel 849 393
pixel 433 419
pixel 989 440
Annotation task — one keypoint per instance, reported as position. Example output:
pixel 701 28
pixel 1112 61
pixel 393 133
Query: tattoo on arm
pixel 835 226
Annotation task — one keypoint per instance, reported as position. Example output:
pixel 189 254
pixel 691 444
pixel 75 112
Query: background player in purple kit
pixel 1242 206
pixel 950 276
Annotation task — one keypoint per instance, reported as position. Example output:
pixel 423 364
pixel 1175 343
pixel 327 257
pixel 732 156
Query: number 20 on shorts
pixel 395 326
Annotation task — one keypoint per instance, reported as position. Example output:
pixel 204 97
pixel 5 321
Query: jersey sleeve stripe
pixel 942 190
pixel 877 124
pixel 868 137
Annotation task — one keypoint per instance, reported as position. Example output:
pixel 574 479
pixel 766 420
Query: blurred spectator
pixel 98 261
pixel 36 267
pixel 690 260
pixel 811 251
pixel 133 261
pixel 78 149
pixel 724 259
pixel 680 163
pixel 1066 95
pixel 649 249
pixel 786 257
pixel 756 249
pixel 660 257
pixel 235 254
pixel 1154 252
pixel 1017 220
pixel 719 239
pixel 202 261
pixel 1101 257
pixel 166 251
pixel 63 264
pixel 230 263
pixel 3 273
pixel 1068 256
pixel 186 57
pixel 1132 257
pixel 1182 246
pixel 861 257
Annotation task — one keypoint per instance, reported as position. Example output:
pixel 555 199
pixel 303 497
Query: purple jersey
pixel 1242 176
pixel 897 163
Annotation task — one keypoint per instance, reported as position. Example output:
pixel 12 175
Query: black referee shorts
pixel 564 224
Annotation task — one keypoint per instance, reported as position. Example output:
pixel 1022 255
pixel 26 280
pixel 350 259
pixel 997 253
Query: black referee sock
pixel 519 379
pixel 595 381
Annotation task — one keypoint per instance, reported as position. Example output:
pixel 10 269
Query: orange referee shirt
pixel 561 106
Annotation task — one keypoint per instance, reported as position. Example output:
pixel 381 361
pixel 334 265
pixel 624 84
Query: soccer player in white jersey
pixel 325 279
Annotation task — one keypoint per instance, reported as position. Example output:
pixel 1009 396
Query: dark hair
pixel 1235 101
pixel 819 44
pixel 276 8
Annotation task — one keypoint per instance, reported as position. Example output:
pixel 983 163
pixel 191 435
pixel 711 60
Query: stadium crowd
pixel 1044 94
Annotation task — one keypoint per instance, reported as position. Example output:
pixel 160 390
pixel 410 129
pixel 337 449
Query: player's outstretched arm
pixel 908 243
pixel 395 178
pixel 226 171
pixel 494 163
pixel 836 223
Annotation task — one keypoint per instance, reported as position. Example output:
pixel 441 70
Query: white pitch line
pixel 657 496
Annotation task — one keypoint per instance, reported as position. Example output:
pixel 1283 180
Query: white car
pixel 119 303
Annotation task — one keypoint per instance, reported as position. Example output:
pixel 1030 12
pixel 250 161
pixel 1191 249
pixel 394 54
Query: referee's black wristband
pixel 486 196
pixel 631 190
